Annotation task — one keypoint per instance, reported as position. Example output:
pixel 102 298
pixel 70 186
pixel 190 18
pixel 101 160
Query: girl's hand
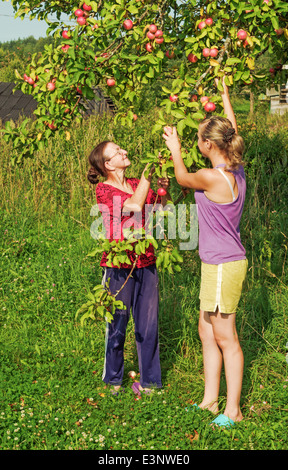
pixel 172 141
pixel 225 87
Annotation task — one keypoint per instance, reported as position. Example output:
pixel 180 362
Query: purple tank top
pixel 219 234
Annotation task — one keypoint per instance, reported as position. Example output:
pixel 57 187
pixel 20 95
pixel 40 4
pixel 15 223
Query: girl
pixel 116 196
pixel 220 194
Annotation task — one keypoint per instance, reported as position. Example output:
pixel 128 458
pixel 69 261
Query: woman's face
pixel 116 157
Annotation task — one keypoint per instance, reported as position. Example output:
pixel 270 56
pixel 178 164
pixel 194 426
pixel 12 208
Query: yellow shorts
pixel 221 286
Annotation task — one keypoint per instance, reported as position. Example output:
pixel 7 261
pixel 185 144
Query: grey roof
pixel 16 104
pixel 13 105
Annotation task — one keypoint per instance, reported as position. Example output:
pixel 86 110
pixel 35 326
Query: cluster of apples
pixel 204 23
pixel 30 80
pixel 208 105
pixel 82 14
pixel 153 34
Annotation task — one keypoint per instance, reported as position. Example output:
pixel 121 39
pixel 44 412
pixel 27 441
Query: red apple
pixel 279 31
pixel 50 86
pixel 52 126
pixel 209 107
pixel 65 47
pixel 111 82
pixel 135 117
pixel 272 71
pixel 161 192
pixel 79 91
pixel 158 33
pixel 65 34
pixel 201 25
pixel 242 34
pixel 192 58
pixel 194 98
pixel 204 99
pixel 213 52
pixel 159 40
pixel 25 77
pixel 150 35
pixel 128 24
pixel 206 52
pixel 173 98
pixel 149 47
pixel 209 21
pixel 86 7
pixel 153 28
pixel 81 20
pixel 30 81
pixel 170 55
pixel 78 12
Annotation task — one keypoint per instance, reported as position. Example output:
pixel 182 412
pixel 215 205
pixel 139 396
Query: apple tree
pixel 124 47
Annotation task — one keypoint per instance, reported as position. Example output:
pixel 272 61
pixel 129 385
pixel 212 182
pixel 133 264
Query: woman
pixel 220 194
pixel 116 196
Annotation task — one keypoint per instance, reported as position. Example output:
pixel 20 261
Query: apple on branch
pixel 213 52
pixel 128 24
pixel 161 192
pixel 86 7
pixel 153 28
pixel 209 21
pixel 50 86
pixel 65 34
pixel 111 82
pixel 202 25
pixel 170 55
pixel 242 34
pixel 81 20
pixel 206 52
pixel 173 98
pixel 192 58
pixel 204 99
pixel 209 107
pixel 78 12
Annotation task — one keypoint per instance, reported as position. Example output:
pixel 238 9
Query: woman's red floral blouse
pixel 110 201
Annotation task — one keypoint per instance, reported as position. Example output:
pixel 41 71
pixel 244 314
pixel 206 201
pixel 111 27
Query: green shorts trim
pixel 221 285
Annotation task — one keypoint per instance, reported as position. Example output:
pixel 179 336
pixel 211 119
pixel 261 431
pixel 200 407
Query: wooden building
pixel 278 97
pixel 14 103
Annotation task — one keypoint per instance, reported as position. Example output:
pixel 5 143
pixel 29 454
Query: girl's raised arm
pixel 228 110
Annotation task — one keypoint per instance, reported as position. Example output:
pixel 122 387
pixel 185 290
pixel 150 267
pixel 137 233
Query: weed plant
pixel 51 392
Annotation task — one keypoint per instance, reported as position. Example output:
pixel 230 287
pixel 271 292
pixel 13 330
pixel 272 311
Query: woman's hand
pixel 172 141
pixel 163 183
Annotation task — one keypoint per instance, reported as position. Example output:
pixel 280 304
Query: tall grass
pixel 52 395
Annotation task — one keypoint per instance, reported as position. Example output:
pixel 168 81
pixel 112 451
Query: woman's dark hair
pixel 97 163
pixel 220 130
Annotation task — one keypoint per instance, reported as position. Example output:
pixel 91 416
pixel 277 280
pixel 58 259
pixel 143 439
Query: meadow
pixel 51 392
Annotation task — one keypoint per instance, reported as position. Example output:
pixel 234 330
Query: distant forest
pixel 17 55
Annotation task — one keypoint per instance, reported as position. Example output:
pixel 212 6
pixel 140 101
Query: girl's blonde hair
pixel 219 130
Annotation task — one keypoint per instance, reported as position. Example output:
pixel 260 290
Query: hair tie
pixel 227 137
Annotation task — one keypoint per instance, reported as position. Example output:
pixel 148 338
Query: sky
pixel 14 28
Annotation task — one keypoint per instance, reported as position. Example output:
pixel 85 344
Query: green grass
pixel 52 394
